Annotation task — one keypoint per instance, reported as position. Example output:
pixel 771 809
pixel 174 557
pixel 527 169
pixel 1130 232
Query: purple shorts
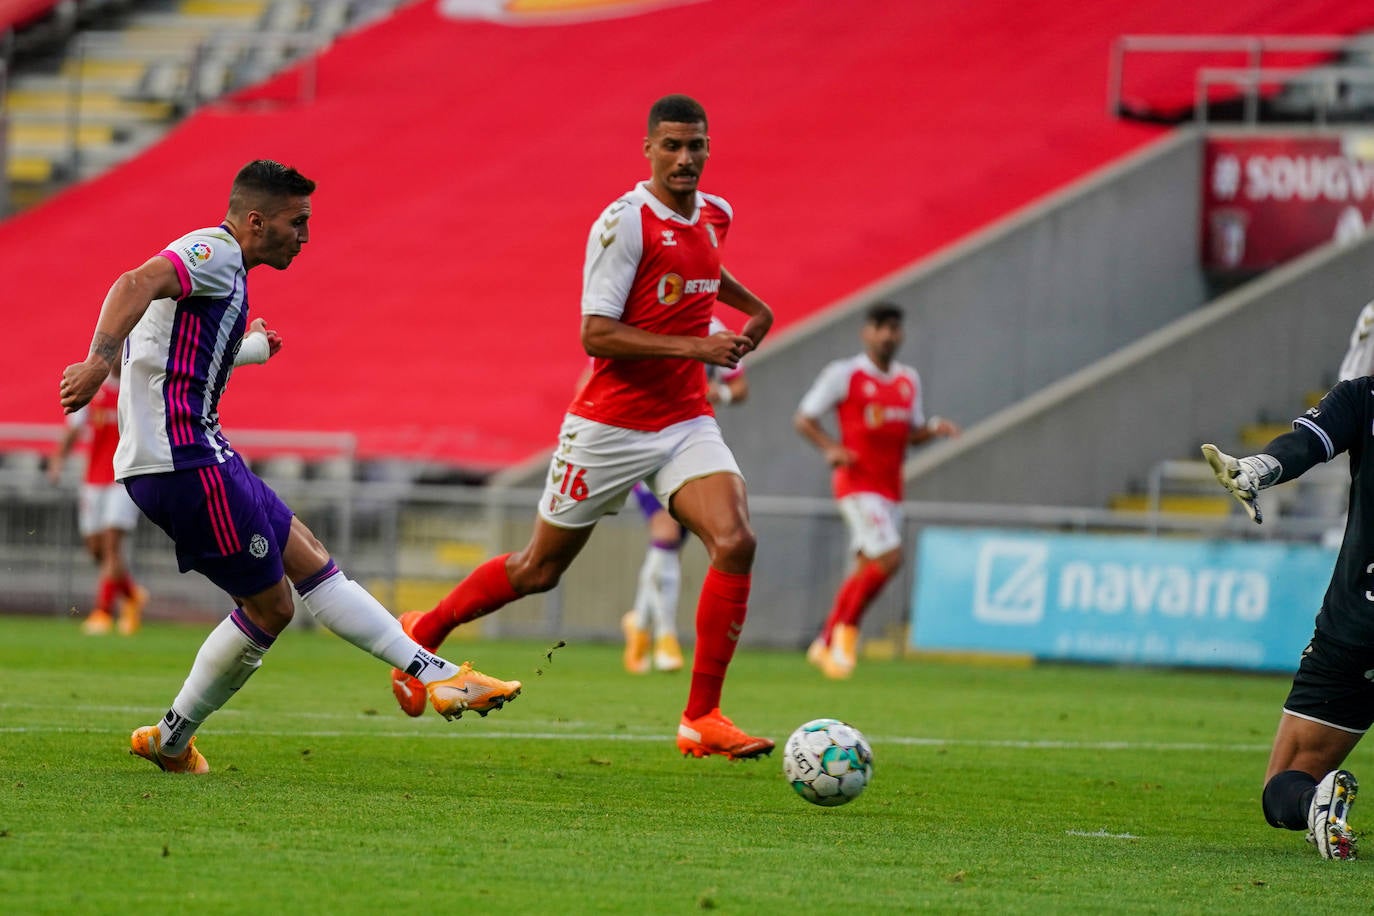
pixel 226 523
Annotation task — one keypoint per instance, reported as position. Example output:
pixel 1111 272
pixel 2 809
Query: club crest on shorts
pixel 257 546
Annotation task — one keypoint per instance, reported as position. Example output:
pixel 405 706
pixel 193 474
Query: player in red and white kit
pixel 651 280
pixel 879 407
pixel 650 626
pixel 105 513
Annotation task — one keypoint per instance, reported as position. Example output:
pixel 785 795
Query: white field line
pixel 1101 835
pixel 224 724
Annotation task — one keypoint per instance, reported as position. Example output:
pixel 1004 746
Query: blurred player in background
pixel 651 625
pixel 651 280
pixel 1359 356
pixel 1331 702
pixel 878 404
pixel 179 320
pixel 105 513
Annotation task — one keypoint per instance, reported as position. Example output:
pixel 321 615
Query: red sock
pixel 720 618
pixel 858 593
pixel 124 585
pixel 834 618
pixel 844 601
pixel 487 588
pixel 105 594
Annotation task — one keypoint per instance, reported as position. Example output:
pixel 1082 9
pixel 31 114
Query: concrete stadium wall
pixel 1252 355
pixel 1001 315
pixel 995 318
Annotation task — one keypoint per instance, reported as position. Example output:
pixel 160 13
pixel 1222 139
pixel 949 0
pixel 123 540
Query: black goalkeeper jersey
pixel 1342 422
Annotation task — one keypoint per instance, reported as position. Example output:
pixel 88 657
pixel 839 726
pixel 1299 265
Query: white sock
pixel 660 582
pixel 226 659
pixel 346 608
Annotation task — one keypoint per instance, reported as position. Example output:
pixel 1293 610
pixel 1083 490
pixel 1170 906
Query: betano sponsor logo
pixel 1015 585
pixel 671 288
pixel 876 415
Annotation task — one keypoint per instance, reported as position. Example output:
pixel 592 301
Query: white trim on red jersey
pixel 875 411
pixel 832 386
pixel 652 268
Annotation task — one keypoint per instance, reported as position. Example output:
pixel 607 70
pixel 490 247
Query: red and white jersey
pixel 654 269
pixel 876 411
pixel 101 416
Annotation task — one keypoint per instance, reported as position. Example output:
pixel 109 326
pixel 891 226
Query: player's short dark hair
pixel 680 109
pixel 884 313
pixel 262 180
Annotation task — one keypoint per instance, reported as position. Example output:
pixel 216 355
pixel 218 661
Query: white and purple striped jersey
pixel 178 358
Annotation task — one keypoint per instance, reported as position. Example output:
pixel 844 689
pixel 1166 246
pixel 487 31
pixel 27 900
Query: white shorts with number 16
pixel 595 466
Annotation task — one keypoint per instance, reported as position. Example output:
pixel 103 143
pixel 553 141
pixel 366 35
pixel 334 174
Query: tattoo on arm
pixel 105 347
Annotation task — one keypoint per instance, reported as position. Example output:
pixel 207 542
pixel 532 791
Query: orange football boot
pixel 470 691
pixel 145 741
pixel 636 644
pixel 715 734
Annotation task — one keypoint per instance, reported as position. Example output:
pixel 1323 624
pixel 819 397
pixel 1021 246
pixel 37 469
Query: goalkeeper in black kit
pixel 1331 703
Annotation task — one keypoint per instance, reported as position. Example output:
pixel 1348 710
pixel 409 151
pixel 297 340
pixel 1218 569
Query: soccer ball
pixel 828 762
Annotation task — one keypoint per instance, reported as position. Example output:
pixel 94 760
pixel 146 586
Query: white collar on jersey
pixel 894 368
pixel 663 211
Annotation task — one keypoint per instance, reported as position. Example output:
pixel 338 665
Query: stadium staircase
pixel 116 87
pixel 1186 486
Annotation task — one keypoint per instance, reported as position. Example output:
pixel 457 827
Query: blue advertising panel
pixel 1118 599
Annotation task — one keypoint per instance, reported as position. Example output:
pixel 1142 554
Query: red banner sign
pixel 1266 200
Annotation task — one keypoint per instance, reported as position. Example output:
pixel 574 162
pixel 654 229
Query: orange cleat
pixel 817 651
pixel 667 653
pixel 409 692
pixel 637 642
pixel 144 743
pixel 131 611
pixel 715 734
pixel 97 623
pixel 470 691
pixel 838 663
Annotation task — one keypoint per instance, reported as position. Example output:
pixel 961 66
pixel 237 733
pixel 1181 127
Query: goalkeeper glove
pixel 1243 478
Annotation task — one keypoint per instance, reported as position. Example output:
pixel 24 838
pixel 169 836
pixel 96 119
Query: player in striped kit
pixel 179 320
pixel 106 515
pixel 878 403
pixel 651 281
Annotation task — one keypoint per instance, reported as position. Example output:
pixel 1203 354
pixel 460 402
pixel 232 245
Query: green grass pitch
pixel 1054 789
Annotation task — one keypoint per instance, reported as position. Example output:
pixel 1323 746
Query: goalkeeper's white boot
pixel 1326 819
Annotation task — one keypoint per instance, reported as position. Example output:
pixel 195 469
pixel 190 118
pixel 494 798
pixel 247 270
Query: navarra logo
pixel 1010 582
pixel 257 546
pixel 198 253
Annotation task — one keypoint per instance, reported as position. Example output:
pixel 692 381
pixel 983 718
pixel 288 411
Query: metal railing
pixel 1259 52
pixel 1327 89
pixel 409 543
